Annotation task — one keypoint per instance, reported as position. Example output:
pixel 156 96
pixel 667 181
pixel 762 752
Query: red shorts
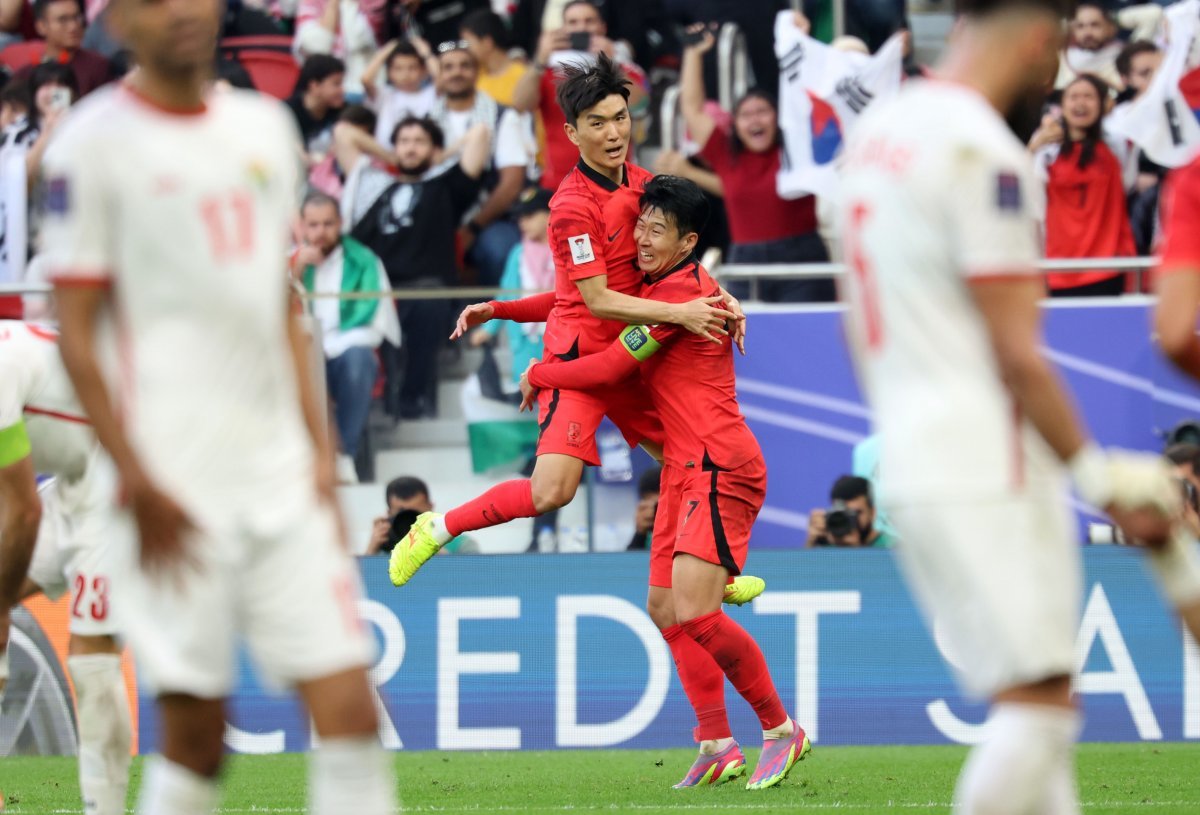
pixel 569 419
pixel 707 514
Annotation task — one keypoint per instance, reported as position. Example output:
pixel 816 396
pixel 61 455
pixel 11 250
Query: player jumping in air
pixel 168 210
pixel 80 547
pixel 943 323
pixel 713 484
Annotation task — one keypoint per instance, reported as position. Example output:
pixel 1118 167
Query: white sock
pixel 170 789
pixel 440 533
pixel 783 731
pixel 1014 770
pixel 351 776
pixel 1063 796
pixel 104 732
pixel 3 672
pixel 710 747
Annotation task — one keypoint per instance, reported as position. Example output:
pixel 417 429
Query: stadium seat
pixel 271 42
pixel 20 54
pixel 273 73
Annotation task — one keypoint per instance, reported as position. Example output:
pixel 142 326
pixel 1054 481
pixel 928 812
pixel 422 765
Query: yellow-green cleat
pixel 413 549
pixel 743 589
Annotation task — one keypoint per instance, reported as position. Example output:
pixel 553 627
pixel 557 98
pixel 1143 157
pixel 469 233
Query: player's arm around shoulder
pixel 1178 275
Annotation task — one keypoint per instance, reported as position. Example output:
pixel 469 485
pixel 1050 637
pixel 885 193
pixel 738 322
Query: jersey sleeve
pixel 577 240
pixel 76 233
pixel 635 345
pixel 510 146
pixel 1181 233
pixel 992 214
pixel 535 308
pixel 464 190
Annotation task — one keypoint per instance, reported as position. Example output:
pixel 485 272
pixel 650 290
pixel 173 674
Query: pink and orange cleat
pixel 726 765
pixel 778 757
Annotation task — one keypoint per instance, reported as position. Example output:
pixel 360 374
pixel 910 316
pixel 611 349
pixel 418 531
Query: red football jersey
pixel 1181 220
pixel 690 378
pixel 591 234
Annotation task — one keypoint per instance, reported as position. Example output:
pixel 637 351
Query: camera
pixel 580 41
pixel 840 521
pixel 399 526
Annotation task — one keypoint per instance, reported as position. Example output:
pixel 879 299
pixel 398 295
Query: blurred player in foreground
pixel 713 484
pixel 79 547
pixel 944 325
pixel 167 211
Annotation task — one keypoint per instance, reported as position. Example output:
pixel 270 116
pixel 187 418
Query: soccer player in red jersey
pixel 591 233
pixel 1178 281
pixel 713 484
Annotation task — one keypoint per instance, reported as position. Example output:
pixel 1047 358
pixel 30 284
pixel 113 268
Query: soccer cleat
pixel 726 765
pixel 413 550
pixel 743 589
pixel 778 757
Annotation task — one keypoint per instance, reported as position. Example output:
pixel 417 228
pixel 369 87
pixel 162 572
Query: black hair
pixel 1094 135
pixel 596 4
pixel 1098 6
pixel 585 87
pixel 736 145
pixel 680 199
pixel 1183 453
pixel 318 198
pixel 234 73
pixel 16 92
pixel 487 23
pixel 318 68
pixel 985 8
pixel 50 73
pixel 405 487
pixel 849 487
pixel 360 116
pixel 403 48
pixel 650 482
pixel 1133 49
pixel 428 125
pixel 40 7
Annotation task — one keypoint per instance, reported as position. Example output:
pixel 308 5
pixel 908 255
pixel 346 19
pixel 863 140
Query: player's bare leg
pixel 1027 763
pixel 105 724
pixel 349 773
pixel 182 780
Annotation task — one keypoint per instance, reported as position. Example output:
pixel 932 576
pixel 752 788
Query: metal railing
pixel 733 67
pixel 670 122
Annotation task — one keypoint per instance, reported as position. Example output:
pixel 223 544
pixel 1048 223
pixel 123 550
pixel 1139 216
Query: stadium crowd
pixel 425 123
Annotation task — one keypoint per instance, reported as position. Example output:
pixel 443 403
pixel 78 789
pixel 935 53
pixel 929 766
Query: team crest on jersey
pixel 260 173
pixel 1008 192
pixel 574 431
pixel 58 196
pixel 581 249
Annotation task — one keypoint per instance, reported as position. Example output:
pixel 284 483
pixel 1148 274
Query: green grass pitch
pixel 1113 778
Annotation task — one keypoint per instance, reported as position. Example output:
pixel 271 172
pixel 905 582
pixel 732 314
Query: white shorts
pixel 1000 583
pixel 82 551
pixel 284 587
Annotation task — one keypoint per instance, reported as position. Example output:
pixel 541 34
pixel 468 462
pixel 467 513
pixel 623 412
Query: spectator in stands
pixel 329 262
pixel 643 24
pixel 407 497
pixel 339 28
pixel 14 105
pixel 406 90
pixel 850 519
pixel 488 235
pixel 649 488
pixel 437 20
pixel 1093 46
pixel 538 85
pixel 1086 214
pixel 317 103
pixel 530 269
pixel 764 228
pixel 756 20
pixel 487 38
pixel 410 220
pixel 1136 64
pixel 328 175
pixel 61 24
pixel 16 20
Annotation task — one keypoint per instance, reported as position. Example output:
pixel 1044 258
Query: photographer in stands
pixel 850 518
pixel 407 497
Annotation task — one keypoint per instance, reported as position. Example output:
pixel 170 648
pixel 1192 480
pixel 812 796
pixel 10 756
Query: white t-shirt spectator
pixel 394 105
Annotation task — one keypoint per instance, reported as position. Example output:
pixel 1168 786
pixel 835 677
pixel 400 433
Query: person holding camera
pixel 850 518
pixel 407 497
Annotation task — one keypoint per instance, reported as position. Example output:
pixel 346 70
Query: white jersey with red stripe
pixel 937 193
pixel 34 388
pixel 185 216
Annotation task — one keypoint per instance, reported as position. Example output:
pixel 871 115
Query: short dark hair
pixel 1133 49
pixel 650 482
pixel 596 4
pixel 849 487
pixel 584 87
pixel 1098 6
pixel 428 125
pixel 360 116
pixel 405 487
pixel 316 198
pixel 40 7
pixel 680 199
pixel 486 23
pixel 318 68
pixel 403 48
pixel 1062 9
pixel 1184 452
pixel 16 92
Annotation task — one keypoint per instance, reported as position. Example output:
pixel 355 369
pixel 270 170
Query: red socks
pixel 742 661
pixel 703 682
pixel 501 504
